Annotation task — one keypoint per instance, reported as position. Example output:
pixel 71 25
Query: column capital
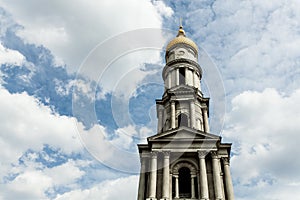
pixel 144 155
pixel 205 108
pixel 214 154
pixel 226 160
pixel 202 154
pixel 166 153
pixel 153 154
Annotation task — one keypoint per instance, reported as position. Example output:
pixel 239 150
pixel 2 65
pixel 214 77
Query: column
pixel 170 186
pixel 205 119
pixel 172 114
pixel 228 181
pixel 216 176
pixel 152 187
pixel 169 80
pixel 177 76
pixel 192 114
pixel 193 186
pixel 142 183
pixel 166 176
pixel 160 119
pixel 203 176
pixel 176 186
pixel 195 79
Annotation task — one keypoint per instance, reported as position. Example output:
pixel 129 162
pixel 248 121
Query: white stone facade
pixel 184 161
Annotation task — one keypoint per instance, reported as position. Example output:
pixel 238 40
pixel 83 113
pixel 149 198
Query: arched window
pixel 181 76
pixel 183 120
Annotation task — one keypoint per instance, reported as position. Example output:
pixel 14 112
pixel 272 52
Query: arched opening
pixel 181 76
pixel 184 182
pixel 183 120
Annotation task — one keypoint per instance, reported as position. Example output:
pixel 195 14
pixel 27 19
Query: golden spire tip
pixel 180 31
pixel 180 22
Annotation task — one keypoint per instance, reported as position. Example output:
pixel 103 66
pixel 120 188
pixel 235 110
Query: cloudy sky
pixel 79 79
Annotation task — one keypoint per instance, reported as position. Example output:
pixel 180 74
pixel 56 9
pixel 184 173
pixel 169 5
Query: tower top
pixel 181 39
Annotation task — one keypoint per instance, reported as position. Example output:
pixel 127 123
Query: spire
pixel 180 22
pixel 180 31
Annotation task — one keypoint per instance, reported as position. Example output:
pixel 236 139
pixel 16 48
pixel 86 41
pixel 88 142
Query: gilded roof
pixel 181 39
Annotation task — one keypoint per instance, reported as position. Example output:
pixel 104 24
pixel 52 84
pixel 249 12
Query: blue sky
pixel 79 79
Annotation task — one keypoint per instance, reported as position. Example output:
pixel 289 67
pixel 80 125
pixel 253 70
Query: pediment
pixel 183 134
pixel 182 89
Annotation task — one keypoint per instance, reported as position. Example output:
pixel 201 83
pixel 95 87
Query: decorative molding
pixel 154 154
pixel 202 154
pixel 184 164
pixel 214 154
pixel 226 160
pixel 184 60
pixel 166 153
pixel 204 108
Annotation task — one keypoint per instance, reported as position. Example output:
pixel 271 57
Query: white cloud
pixel 124 137
pixel 80 32
pixel 28 185
pixel 126 72
pixel 11 57
pixel 69 171
pixel 34 181
pixel 122 188
pixel 264 128
pixel 162 8
pixel 70 29
pixel 253 43
pixel 114 150
pixel 27 124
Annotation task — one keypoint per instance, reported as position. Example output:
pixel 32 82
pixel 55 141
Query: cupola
pixel 181 47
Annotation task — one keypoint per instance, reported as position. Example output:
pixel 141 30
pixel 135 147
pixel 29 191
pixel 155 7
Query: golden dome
pixel 181 39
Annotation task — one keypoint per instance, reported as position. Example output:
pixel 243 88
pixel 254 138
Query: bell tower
pixel 184 160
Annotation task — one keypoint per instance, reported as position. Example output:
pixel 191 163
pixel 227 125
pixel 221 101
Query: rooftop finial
pixel 180 22
pixel 180 31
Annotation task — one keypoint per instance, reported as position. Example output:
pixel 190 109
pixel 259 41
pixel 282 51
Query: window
pixel 181 75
